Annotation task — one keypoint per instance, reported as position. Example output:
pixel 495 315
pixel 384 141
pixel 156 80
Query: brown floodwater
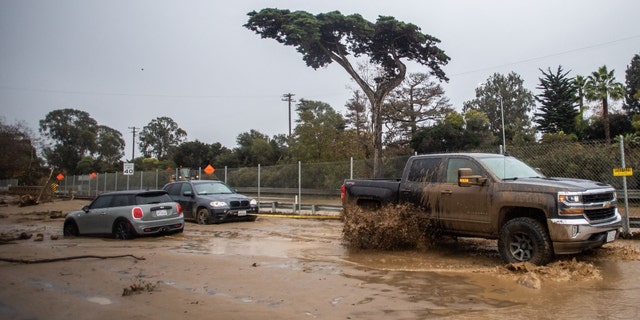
pixel 457 278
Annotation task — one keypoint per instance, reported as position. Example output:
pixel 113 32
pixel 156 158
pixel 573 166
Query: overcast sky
pixel 127 62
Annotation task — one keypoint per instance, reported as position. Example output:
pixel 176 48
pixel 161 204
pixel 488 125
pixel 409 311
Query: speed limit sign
pixel 128 169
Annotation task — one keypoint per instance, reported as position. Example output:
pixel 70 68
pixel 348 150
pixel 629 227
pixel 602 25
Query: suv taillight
pixel 179 208
pixel 137 213
pixel 343 190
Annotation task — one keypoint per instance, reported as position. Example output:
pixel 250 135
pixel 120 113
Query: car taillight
pixel 179 208
pixel 342 191
pixel 137 213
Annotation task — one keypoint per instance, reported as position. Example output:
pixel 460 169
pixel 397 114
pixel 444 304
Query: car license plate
pixel 242 213
pixel 161 213
pixel 611 235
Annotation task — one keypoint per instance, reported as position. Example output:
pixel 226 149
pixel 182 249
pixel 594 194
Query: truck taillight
pixel 342 191
pixel 179 208
pixel 137 213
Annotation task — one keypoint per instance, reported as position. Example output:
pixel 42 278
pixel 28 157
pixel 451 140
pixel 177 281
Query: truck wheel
pixel 202 217
pixel 525 239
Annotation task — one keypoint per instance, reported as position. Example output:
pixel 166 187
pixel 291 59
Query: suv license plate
pixel 611 235
pixel 161 213
pixel 242 213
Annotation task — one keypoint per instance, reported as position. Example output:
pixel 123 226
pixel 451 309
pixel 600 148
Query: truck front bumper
pixel 571 236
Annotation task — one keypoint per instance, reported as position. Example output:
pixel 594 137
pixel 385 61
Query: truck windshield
pixel 507 168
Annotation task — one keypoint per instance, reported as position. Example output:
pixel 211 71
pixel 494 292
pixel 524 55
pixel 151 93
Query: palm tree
pixel 600 86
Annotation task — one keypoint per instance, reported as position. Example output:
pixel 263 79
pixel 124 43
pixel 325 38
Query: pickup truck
pixel 495 196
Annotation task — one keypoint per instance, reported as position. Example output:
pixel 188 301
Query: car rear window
pixel 148 198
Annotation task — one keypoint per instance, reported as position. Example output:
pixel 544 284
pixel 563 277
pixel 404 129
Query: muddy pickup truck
pixel 494 196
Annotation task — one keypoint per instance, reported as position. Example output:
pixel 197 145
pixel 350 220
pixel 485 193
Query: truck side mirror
pixel 466 178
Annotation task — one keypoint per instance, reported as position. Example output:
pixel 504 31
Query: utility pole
pixel 133 146
pixel 289 98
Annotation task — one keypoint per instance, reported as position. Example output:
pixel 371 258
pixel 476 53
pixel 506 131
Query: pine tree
pixel 632 87
pixel 558 98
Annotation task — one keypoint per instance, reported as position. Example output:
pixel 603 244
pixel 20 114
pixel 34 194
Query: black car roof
pixel 135 192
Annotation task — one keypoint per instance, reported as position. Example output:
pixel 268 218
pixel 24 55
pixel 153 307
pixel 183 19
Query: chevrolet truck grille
pixel 597 197
pixel 600 214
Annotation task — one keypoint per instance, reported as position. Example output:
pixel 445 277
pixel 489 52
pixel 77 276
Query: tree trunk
pixel 605 119
pixel 377 138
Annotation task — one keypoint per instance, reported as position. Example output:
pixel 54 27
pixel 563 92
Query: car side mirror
pixel 85 209
pixel 466 178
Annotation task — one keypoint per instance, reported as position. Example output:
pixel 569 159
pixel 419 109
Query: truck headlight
pixel 569 197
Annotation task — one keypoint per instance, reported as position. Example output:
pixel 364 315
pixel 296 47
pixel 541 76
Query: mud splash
pixel 391 227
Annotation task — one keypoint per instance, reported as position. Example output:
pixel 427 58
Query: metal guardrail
pixel 276 206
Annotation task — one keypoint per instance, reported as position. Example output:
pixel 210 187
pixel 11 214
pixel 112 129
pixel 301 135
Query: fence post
pixel 624 187
pixel 115 186
pixel 299 186
pixel 225 174
pixel 141 176
pixel 259 187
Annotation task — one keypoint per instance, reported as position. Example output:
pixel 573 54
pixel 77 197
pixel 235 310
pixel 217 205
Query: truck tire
pixel 525 240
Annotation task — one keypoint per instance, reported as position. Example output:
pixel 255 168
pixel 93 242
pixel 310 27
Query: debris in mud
pixel 8 237
pixel 561 270
pixel 531 281
pixel 388 228
pixel 139 287
pixel 27 200
pixel 618 252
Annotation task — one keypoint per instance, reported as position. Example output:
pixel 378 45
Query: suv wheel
pixel 203 216
pixel 525 240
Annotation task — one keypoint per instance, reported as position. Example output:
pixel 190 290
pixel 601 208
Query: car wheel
pixel 203 216
pixel 70 229
pixel 525 240
pixel 123 230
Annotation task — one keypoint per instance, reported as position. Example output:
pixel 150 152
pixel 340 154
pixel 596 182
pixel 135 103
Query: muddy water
pixel 458 278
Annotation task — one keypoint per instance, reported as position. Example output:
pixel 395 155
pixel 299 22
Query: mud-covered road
pixel 295 269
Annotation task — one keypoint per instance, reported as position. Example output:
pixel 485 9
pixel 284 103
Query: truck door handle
pixel 446 192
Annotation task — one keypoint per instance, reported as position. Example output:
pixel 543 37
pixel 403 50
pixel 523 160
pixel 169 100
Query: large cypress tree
pixel 558 100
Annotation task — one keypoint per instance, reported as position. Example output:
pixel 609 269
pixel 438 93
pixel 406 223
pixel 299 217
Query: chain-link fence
pixel 592 160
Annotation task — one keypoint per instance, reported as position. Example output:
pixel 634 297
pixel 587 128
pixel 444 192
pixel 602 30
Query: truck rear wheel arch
pixel 368 204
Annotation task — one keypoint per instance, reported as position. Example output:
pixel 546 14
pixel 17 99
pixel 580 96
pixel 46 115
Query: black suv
pixel 211 201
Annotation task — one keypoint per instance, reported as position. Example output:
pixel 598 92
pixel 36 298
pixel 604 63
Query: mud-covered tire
pixel 525 240
pixel 202 216
pixel 70 229
pixel 123 230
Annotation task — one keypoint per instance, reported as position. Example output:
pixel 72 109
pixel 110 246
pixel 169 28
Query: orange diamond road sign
pixel 60 176
pixel 209 169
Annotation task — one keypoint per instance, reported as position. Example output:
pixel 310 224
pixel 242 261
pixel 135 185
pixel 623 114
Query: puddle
pixel 99 300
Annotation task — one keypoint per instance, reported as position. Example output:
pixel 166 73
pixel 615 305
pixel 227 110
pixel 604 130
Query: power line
pixel 547 56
